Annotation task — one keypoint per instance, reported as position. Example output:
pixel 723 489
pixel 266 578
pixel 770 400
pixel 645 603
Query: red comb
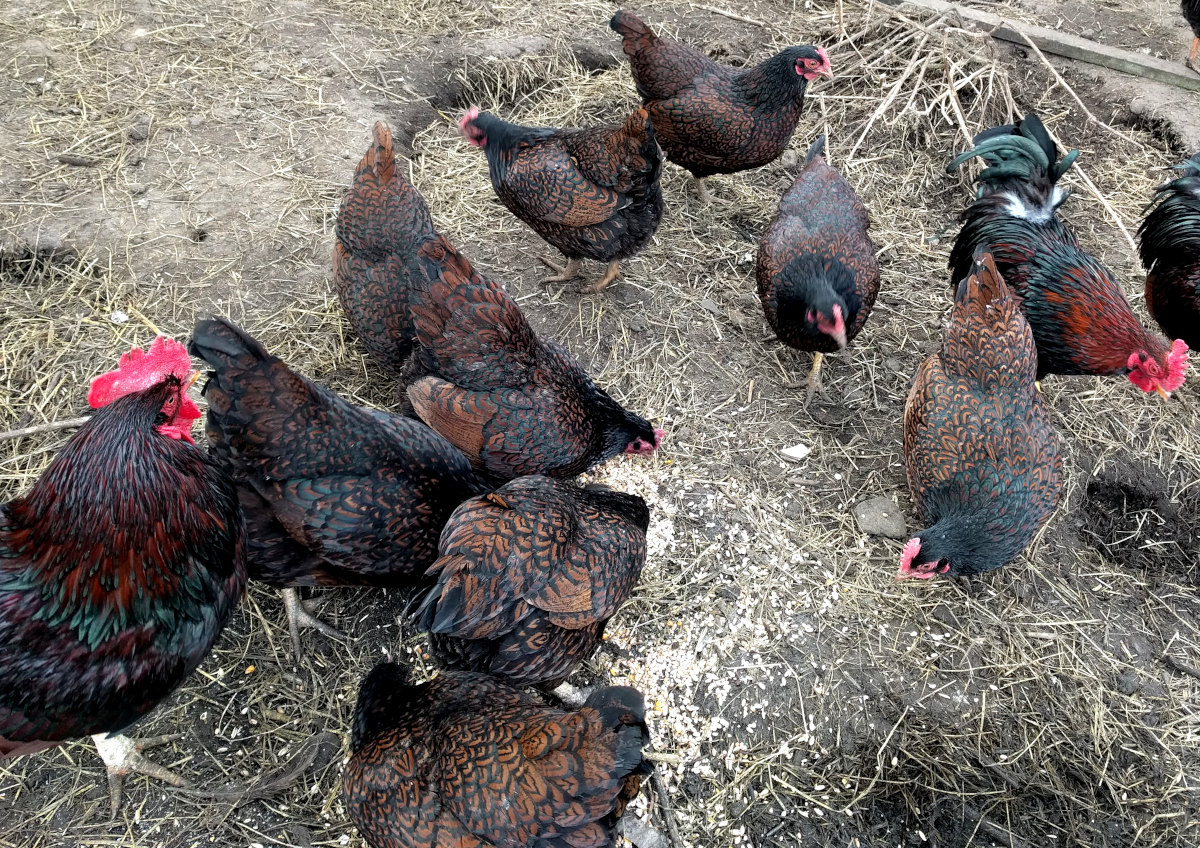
pixel 470 115
pixel 140 369
pixel 1177 363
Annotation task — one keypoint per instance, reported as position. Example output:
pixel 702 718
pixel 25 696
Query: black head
pixel 384 693
pixel 818 294
pixel 953 547
pixel 804 63
pixel 631 433
pixel 486 131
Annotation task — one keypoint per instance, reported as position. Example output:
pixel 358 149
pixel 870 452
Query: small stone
pixel 129 47
pixel 195 120
pixel 1127 682
pixel 638 324
pixel 138 189
pixel 140 131
pixel 119 317
pixel 710 305
pixel 789 158
pixel 881 517
pixel 796 453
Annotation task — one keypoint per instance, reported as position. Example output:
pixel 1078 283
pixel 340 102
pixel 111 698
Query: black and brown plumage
pixel 817 273
pixel 467 761
pixel 592 193
pixel 333 494
pixel 1169 244
pixel 530 574
pixel 515 404
pixel 1191 13
pixel 980 451
pixel 381 223
pixel 716 119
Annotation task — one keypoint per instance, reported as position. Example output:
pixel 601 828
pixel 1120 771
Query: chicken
pixel 530 574
pixel 334 494
pixel 467 760
pixel 712 118
pixel 380 224
pixel 1170 249
pixel 1081 321
pixel 1191 12
pixel 981 454
pixel 513 403
pixel 118 570
pixel 817 274
pixel 592 193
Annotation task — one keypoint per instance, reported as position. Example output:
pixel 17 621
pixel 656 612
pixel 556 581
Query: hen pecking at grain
pixel 513 403
pixel 530 574
pixel 817 274
pixel 334 494
pixel 467 760
pixel 981 454
pixel 712 118
pixel 1170 250
pixel 1081 321
pixel 592 193
pixel 381 223
pixel 118 570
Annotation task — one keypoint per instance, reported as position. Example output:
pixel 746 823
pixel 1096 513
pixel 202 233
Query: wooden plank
pixel 1067 45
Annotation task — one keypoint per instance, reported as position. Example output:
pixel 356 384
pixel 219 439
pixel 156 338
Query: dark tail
pixel 226 346
pixel 817 148
pixel 1023 152
pixel 635 35
pixel 623 709
pixel 1170 232
pixel 379 160
pixel 983 287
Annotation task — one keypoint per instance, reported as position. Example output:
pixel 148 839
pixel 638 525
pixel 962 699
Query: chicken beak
pixel 1165 394
pixel 191 381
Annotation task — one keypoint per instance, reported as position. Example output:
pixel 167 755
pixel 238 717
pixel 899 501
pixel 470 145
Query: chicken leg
pixel 299 615
pixel 702 191
pixel 614 271
pixel 570 271
pixel 813 383
pixel 122 756
pixel 1191 60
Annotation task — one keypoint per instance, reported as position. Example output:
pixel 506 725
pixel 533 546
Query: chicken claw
pixel 813 383
pixel 122 755
pixel 614 271
pixel 562 273
pixel 299 615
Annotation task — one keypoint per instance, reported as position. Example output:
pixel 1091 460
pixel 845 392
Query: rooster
pixel 1081 321
pixel 592 193
pixel 513 403
pixel 468 760
pixel 334 494
pixel 380 224
pixel 817 274
pixel 118 570
pixel 712 118
pixel 1170 250
pixel 981 454
pixel 529 575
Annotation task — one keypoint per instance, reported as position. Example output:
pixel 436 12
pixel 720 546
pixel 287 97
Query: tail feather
pixel 384 690
pixel 380 160
pixel 226 346
pixel 983 287
pixel 817 148
pixel 1023 151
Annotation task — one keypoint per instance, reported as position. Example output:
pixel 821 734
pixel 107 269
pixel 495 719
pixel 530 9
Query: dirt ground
pixel 167 159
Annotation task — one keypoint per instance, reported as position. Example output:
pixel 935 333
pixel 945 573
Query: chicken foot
pixel 813 383
pixel 122 756
pixel 562 273
pixel 614 271
pixel 299 615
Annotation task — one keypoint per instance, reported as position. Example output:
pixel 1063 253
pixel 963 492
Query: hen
pixel 1081 321
pixel 1191 12
pixel 467 760
pixel 1170 249
pixel 530 574
pixel 592 193
pixel 118 569
pixel 380 224
pixel 513 403
pixel 981 454
pixel 712 118
pixel 817 274
pixel 334 494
